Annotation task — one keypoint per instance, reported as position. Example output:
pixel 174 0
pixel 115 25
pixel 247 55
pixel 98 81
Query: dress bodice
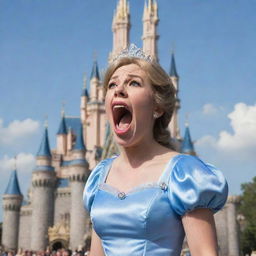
pixel 147 219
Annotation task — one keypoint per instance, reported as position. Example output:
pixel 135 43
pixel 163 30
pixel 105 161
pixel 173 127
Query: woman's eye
pixel 135 83
pixel 111 85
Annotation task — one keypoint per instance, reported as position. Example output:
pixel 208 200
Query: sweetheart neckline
pixel 158 183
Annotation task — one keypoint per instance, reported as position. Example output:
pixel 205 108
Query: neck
pixel 137 155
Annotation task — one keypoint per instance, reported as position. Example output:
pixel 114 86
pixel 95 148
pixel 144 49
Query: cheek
pixel 145 103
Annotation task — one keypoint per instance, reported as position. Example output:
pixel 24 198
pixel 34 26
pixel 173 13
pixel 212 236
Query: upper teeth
pixel 119 106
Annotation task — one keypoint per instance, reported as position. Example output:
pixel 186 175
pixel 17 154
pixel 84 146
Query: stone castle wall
pixel 62 204
pixel 42 217
pixel 10 229
pixel 25 227
pixel 78 215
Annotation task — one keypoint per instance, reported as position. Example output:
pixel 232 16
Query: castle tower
pixel 150 21
pixel 12 200
pixel 174 124
pixel 84 102
pixel 121 27
pixel 95 123
pixel 43 184
pixel 83 108
pixel 94 82
pixel 187 146
pixel 78 173
pixel 62 137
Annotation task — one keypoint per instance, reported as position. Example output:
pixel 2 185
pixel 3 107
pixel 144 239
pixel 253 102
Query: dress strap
pixel 106 169
pixel 164 178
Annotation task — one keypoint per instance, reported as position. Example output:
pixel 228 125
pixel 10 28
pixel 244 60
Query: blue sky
pixel 47 46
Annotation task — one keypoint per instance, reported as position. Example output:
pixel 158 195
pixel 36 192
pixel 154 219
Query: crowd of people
pixel 47 252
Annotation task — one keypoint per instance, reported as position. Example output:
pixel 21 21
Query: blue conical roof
pixel 173 70
pixel 44 149
pixel 13 187
pixel 63 127
pixel 95 71
pixel 187 144
pixel 85 92
pixel 79 145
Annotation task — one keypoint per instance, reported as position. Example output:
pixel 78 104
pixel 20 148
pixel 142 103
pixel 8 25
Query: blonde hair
pixel 164 93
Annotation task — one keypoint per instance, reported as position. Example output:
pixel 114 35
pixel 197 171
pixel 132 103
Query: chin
pixel 124 140
pixel 129 140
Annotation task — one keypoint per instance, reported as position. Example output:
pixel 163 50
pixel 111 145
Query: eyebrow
pixel 115 77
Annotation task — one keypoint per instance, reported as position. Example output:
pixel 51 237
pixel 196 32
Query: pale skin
pixel 129 84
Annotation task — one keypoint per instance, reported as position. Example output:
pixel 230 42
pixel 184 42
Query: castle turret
pixel 95 122
pixel 77 175
pixel 62 137
pixel 12 200
pixel 150 21
pixel 44 152
pixel 84 102
pixel 43 183
pixel 174 124
pixel 121 27
pixel 173 71
pixel 187 146
pixel 95 82
pixel 101 89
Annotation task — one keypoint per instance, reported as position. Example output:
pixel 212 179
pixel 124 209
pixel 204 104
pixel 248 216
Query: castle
pixel 53 214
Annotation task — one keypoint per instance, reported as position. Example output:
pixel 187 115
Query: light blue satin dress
pixel 147 220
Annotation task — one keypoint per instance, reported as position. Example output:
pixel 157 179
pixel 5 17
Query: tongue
pixel 125 121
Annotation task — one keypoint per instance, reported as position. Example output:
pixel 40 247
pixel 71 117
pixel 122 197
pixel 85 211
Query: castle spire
pixel 150 21
pixel 95 71
pixel 173 70
pixel 95 82
pixel 84 90
pixel 187 146
pixel 174 124
pixel 12 200
pixel 44 149
pixel 120 28
pixel 13 187
pixel 63 127
pixel 145 11
pixel 83 109
pixel 122 10
pixel 79 145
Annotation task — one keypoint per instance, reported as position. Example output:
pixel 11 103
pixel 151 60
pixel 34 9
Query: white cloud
pixel 234 150
pixel 242 140
pixel 210 109
pixel 24 163
pixel 17 130
pixel 243 122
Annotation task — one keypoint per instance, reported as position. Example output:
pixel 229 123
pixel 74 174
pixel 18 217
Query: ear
pixel 157 113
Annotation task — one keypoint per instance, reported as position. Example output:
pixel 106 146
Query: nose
pixel 120 91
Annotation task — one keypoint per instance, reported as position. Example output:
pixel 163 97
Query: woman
pixel 145 200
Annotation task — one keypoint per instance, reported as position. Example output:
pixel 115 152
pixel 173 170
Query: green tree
pixel 248 209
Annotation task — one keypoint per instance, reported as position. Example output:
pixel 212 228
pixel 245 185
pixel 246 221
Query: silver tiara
pixel 133 52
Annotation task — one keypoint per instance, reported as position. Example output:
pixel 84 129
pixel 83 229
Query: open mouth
pixel 122 117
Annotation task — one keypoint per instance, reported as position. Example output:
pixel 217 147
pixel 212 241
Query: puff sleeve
pixel 91 185
pixel 194 184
